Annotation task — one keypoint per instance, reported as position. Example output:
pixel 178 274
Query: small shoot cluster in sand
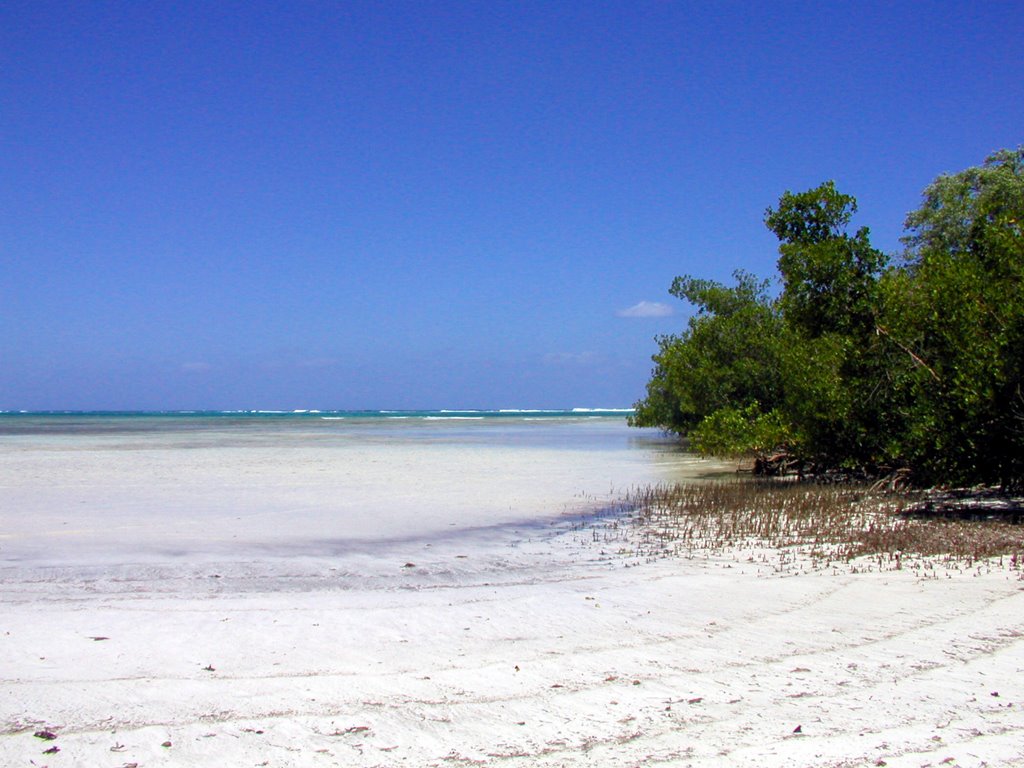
pixel 798 526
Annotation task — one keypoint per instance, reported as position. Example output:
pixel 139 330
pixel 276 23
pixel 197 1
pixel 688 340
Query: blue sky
pixel 439 204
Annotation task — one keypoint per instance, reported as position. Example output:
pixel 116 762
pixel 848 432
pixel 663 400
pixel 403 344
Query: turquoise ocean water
pixel 27 422
pixel 577 428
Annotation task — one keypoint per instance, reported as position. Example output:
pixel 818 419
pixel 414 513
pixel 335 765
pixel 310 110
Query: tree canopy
pixel 865 362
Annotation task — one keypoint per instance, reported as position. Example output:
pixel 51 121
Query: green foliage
pixel 728 355
pixel 828 277
pixel 976 213
pixel 858 363
pixel 961 312
pixel 735 432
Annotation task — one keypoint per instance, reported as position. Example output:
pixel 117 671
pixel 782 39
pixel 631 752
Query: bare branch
pixel 882 332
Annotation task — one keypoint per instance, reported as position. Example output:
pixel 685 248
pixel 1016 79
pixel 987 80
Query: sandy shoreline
pixel 538 652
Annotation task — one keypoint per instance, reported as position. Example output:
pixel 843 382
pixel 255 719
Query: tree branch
pixel 879 330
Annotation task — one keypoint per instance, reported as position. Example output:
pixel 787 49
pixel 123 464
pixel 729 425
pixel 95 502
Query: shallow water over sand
pixel 92 490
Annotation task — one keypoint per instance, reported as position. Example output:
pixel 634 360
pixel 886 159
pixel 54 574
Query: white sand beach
pixel 543 653
pixel 135 641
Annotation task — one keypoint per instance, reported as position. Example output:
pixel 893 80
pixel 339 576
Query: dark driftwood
pixel 969 504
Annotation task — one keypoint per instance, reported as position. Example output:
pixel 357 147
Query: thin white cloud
pixel 646 309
